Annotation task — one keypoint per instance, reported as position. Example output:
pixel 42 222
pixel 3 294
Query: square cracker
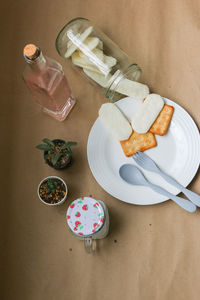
pixel 161 124
pixel 138 141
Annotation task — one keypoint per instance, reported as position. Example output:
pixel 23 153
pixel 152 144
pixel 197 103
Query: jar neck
pixel 132 72
pixel 38 62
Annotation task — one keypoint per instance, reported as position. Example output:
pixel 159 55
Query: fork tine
pixel 141 154
pixel 136 155
pixel 148 162
pixel 137 159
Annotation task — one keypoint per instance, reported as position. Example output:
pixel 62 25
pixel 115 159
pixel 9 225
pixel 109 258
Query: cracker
pixel 138 141
pixel 162 122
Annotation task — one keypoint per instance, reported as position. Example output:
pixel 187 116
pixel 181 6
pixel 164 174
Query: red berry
pixel 93 230
pixel 72 205
pixel 85 207
pixel 102 220
pixel 75 229
pixel 78 214
pixel 82 198
pixel 80 233
pixel 68 217
pixel 95 225
pixel 96 204
pixel 77 223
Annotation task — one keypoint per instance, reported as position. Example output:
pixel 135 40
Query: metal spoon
pixel 133 175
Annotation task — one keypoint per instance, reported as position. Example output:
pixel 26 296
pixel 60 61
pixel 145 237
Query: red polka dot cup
pixel 88 219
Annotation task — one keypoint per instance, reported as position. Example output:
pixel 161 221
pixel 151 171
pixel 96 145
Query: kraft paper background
pixel 152 252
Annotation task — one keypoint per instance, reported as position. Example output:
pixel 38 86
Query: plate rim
pixel 195 130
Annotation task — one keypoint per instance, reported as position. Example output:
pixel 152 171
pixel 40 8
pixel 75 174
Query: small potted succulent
pixel 52 190
pixel 57 153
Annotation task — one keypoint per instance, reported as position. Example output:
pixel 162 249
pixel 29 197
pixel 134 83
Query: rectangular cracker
pixel 138 141
pixel 162 122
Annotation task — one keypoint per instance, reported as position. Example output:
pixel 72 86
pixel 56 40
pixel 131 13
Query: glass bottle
pixel 100 60
pixel 46 80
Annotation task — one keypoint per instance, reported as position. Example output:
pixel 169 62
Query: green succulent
pixel 51 185
pixel 54 154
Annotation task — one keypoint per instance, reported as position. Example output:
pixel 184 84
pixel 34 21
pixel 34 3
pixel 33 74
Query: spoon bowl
pixel 132 175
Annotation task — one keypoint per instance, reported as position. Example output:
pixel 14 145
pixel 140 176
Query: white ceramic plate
pixel 177 153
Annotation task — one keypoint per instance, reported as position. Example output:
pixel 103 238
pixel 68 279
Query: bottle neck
pixel 38 62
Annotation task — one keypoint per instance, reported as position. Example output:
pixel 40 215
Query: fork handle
pixel 195 198
pixel 187 205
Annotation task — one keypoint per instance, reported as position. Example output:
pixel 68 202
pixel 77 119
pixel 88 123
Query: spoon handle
pixel 195 198
pixel 187 205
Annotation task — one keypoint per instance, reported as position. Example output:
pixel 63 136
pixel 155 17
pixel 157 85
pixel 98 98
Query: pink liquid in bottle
pixel 45 79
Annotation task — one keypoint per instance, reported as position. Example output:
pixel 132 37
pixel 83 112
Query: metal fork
pixel 144 161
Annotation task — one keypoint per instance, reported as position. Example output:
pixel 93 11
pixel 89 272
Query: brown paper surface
pixel 152 252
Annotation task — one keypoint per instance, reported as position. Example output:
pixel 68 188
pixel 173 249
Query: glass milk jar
pixel 88 220
pixel 99 59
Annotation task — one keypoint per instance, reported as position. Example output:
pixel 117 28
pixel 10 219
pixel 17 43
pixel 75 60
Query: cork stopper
pixel 30 51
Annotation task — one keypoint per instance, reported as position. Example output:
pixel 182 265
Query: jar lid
pixel 85 216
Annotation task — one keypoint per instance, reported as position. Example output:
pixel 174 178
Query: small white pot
pixel 63 199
